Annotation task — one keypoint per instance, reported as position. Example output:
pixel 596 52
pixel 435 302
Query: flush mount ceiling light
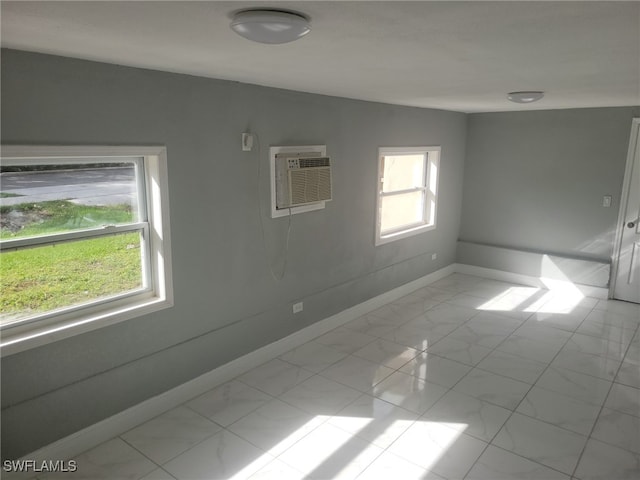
pixel 270 26
pixel 525 97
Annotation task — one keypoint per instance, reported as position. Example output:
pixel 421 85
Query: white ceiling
pixel 462 56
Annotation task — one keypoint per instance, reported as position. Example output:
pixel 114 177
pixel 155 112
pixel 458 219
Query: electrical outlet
pixel 606 201
pixel 298 307
pixel 434 256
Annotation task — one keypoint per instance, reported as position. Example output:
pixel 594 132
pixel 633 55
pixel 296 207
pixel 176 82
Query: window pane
pixel 402 172
pixel 401 210
pixel 36 280
pixel 42 199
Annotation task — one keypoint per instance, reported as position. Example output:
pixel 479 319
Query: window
pixel 84 239
pixel 407 192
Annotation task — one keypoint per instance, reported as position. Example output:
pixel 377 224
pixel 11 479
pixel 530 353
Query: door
pixel 626 278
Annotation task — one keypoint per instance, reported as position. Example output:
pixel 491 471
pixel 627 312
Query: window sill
pixel 22 339
pixel 392 237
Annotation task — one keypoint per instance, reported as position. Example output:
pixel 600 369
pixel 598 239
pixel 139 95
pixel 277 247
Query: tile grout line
pixel 448 390
pixel 396 370
pixel 473 367
pixel 593 427
pixel 490 443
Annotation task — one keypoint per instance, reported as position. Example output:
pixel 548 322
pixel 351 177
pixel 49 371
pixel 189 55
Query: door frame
pixel 622 212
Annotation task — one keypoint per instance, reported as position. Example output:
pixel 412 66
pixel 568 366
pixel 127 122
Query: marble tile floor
pixel 467 378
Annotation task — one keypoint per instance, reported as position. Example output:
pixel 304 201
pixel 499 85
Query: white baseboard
pixel 586 290
pixel 95 434
pixel 104 430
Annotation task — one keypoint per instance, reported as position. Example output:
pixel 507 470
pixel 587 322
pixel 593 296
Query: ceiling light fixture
pixel 525 97
pixel 270 26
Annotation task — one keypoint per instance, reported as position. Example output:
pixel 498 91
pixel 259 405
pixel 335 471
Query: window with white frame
pixel 407 192
pixel 84 239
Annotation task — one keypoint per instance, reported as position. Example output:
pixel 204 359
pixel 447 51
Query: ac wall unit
pixel 302 179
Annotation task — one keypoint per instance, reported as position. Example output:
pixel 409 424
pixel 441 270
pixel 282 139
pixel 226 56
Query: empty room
pixel 320 239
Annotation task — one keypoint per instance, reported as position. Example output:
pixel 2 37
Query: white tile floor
pixel 465 379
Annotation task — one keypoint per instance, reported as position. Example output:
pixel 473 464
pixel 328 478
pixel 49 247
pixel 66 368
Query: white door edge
pixel 624 200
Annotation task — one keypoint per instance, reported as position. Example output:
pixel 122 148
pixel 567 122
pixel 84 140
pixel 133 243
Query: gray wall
pixel 534 183
pixel 226 301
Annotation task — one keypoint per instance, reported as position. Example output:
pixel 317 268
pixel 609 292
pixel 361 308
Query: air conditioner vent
pixel 314 162
pixel 302 180
pixel 310 185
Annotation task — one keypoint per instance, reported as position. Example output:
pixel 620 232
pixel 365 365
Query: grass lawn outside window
pixel 84 240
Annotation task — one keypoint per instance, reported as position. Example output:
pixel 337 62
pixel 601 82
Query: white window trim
pixel 432 157
pixel 74 321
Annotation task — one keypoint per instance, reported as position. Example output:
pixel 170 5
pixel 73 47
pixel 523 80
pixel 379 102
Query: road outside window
pixel 53 272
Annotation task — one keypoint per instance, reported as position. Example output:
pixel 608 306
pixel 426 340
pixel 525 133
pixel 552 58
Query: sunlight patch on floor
pixel 509 300
pixel 559 295
pixel 331 446
pixel 565 295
